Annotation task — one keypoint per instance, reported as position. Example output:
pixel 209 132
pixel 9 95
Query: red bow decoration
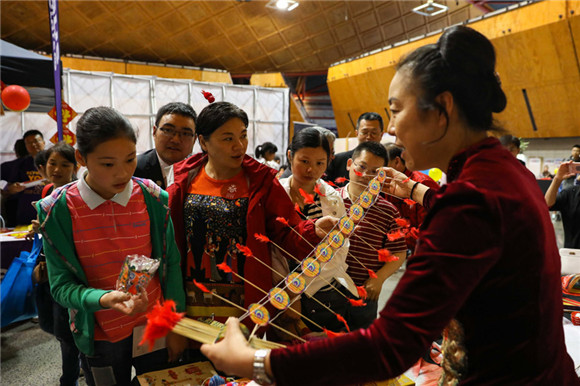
pixel 282 220
pixel 245 250
pixel 160 321
pixel 341 319
pixel 308 198
pixel 402 222
pixel 340 180
pixel 372 273
pixel 386 256
pixel 362 292
pixel 261 238
pixel 357 303
pixel 224 267
pixel 201 286
pixel 208 96
pixel 395 235
pixel 317 190
pixel 332 334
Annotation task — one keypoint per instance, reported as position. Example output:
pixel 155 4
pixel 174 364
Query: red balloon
pixel 16 98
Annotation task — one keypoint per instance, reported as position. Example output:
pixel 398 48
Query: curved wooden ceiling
pixel 237 36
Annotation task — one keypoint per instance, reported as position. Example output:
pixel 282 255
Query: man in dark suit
pixel 369 128
pixel 174 136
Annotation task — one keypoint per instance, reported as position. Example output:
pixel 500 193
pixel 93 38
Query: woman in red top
pixel 486 272
pixel 222 198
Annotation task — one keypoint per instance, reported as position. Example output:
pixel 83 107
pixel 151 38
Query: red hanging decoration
pixel 372 273
pixel 343 320
pixel 386 256
pixel 318 191
pixel 201 286
pixel 341 180
pixel 297 209
pixel 362 292
pixel 224 267
pixel 308 198
pixel 331 184
pixel 357 173
pixel 357 303
pixel 282 220
pixel 160 321
pixel 208 96
pixel 332 334
pixel 245 250
pixel 402 222
pixel 261 238
pixel 395 235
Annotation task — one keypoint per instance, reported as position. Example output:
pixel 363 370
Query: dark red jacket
pixel 486 257
pixel 268 200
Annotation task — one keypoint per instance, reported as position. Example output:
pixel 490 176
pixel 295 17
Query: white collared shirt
pixel 166 170
pixel 93 199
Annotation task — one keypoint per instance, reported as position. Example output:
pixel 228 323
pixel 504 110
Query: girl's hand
pixel 324 225
pixel 232 355
pixel 176 344
pixel 394 184
pixel 125 302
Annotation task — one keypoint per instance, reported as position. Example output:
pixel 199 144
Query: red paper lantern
pixel 16 98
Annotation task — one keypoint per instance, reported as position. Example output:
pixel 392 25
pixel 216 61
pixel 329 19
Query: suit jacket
pixel 148 167
pixel 337 167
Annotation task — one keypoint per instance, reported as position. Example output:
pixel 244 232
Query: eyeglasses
pixel 371 133
pixel 170 133
pixel 365 170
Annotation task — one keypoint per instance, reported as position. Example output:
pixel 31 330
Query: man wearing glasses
pixel 174 136
pixel 369 128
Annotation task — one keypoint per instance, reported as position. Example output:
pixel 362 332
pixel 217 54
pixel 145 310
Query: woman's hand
pixel 397 183
pixel 324 225
pixel 232 355
pixel 176 344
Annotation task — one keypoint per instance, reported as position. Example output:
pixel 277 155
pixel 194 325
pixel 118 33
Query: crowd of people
pixel 463 278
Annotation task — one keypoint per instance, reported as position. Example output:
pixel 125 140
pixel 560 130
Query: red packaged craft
pixel 136 273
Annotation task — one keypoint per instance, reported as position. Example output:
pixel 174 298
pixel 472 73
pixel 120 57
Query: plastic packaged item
pixel 136 273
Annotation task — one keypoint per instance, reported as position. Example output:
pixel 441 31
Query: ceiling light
pixel 283 5
pixel 430 8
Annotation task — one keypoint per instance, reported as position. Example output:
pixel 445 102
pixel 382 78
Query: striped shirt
pixel 379 219
pixel 105 232
pixel 312 211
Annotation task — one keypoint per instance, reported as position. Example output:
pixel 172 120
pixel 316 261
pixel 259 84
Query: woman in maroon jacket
pixel 222 198
pixel 486 271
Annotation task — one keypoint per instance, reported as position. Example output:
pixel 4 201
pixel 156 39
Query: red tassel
pixel 201 286
pixel 282 220
pixel 402 222
pixel 406 180
pixel 413 233
pixel 160 321
pixel 385 256
pixel 395 235
pixel 297 208
pixel 362 292
pixel 341 319
pixel 332 334
pixel 341 180
pixel 261 238
pixel 224 267
pixel 372 273
pixel 409 202
pixel 308 198
pixel 357 303
pixel 245 250
pixel 208 96
pixel 318 191
pixel 331 184
pixel 358 173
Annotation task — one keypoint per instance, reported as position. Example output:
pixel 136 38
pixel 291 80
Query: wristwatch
pixel 259 374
